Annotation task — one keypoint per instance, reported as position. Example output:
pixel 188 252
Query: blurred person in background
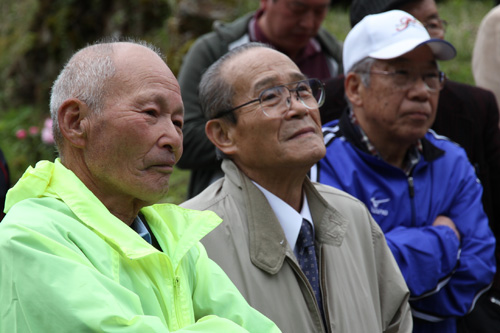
pixel 486 53
pixel 290 26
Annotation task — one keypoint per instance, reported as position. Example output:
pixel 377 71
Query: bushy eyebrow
pixel 146 99
pixel 270 81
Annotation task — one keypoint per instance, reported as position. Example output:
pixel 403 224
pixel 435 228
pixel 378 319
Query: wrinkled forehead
pixel 260 68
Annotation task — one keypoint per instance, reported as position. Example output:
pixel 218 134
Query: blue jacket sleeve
pixel 476 265
pixel 427 256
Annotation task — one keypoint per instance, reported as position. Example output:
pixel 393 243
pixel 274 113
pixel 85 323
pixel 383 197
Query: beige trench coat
pixel 362 286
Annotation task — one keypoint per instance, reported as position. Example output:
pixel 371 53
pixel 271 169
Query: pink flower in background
pixel 21 134
pixel 47 132
pixel 33 130
pixel 34 142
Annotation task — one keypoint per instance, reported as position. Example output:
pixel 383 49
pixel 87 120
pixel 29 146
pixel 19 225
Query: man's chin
pixel 162 198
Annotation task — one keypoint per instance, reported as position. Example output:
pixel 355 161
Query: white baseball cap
pixel 389 35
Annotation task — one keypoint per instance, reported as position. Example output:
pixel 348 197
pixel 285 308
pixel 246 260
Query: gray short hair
pixel 215 93
pixel 85 77
pixel 363 68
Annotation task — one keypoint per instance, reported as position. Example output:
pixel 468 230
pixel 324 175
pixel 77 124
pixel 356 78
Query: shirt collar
pixel 289 218
pixel 412 155
pixel 139 227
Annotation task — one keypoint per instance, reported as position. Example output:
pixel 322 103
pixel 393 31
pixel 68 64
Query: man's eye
pixel 150 112
pixel 303 89
pixel 178 123
pixel 270 95
pixel 431 75
pixel 401 72
pixel 321 11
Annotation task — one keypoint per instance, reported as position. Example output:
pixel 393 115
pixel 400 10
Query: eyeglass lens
pixel 277 100
pixel 436 24
pixel 406 79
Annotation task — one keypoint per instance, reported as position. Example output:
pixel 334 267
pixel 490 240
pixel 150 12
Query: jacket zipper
pixel 178 312
pixel 411 189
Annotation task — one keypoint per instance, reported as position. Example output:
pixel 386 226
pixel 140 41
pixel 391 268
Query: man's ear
pixel 219 132
pixel 71 116
pixel 353 88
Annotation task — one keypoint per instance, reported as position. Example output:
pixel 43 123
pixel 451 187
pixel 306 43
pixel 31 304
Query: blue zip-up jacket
pixel 444 276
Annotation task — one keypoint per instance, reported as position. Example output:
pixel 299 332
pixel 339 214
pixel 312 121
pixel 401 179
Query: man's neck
pixel 391 150
pixel 123 207
pixel 286 187
pixel 395 156
pixel 398 154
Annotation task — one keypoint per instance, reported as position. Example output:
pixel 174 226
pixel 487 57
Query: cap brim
pixel 441 49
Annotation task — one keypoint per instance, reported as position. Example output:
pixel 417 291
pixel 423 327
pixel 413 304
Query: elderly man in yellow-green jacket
pixel 82 247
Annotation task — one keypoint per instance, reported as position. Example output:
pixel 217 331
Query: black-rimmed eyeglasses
pixel 405 79
pixel 277 100
pixel 436 25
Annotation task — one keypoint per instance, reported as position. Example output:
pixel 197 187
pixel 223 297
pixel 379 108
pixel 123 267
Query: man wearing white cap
pixel 419 186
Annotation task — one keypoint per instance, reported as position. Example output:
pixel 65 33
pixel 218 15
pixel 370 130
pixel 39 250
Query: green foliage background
pixel 38 36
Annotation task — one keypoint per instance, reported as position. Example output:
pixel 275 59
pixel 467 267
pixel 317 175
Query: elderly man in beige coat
pixel 308 256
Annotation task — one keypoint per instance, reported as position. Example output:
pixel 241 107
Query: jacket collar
pixel 347 129
pixel 229 32
pixel 268 246
pixel 182 227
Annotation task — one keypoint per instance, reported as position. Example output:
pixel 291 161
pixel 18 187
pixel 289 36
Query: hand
pixel 444 220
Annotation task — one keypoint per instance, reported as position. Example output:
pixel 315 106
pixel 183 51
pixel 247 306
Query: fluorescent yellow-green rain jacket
pixel 68 265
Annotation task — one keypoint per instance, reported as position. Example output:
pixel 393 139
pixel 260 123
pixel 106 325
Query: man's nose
pixel 170 136
pixel 308 20
pixel 419 86
pixel 295 106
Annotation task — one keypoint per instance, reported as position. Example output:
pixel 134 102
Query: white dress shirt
pixel 289 218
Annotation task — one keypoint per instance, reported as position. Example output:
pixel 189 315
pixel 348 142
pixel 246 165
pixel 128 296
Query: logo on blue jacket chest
pixel 375 207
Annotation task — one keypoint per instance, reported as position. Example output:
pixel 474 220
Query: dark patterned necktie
pixel 306 256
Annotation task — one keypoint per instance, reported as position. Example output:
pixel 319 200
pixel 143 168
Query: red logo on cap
pixel 405 23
